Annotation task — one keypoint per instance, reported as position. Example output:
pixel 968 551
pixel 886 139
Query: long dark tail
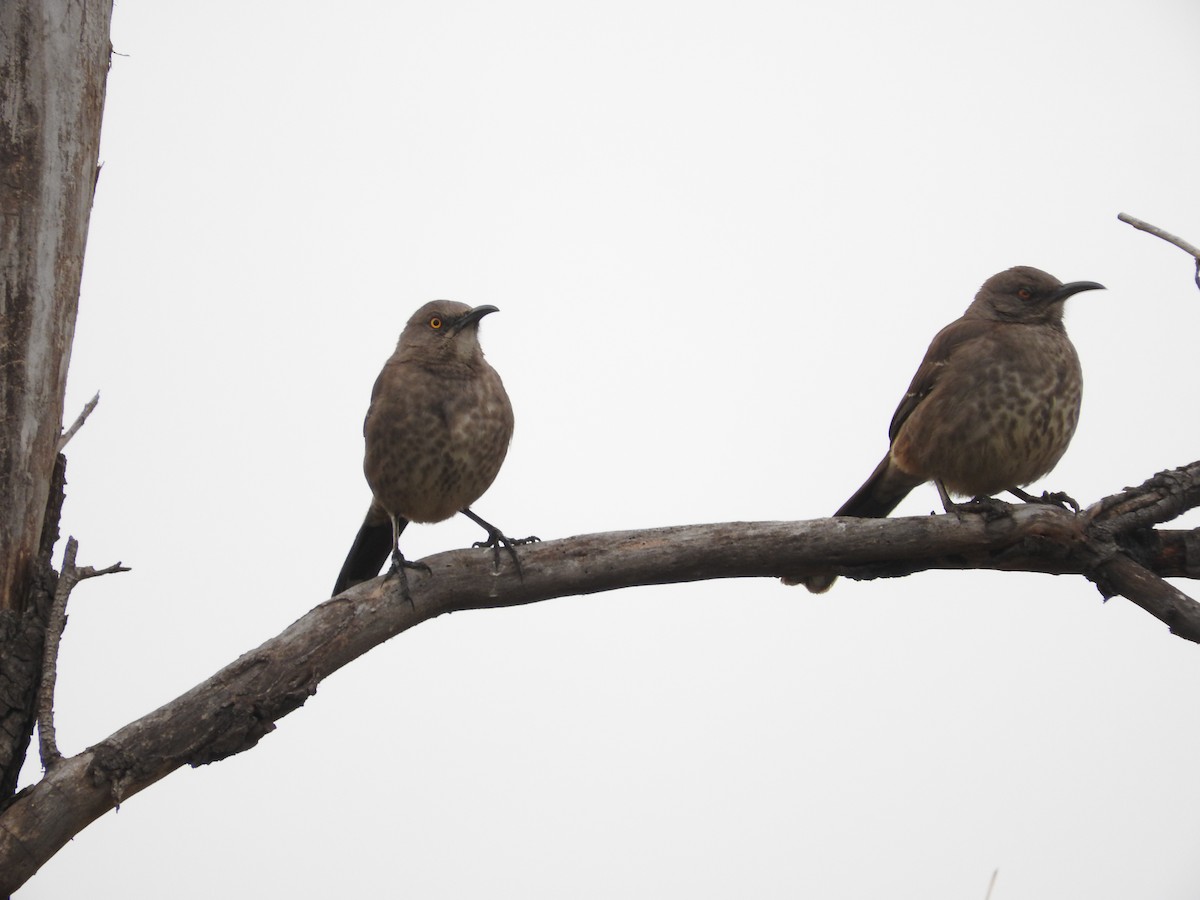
pixel 370 550
pixel 879 495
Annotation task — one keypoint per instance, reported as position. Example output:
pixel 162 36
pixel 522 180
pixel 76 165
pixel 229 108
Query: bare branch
pixel 1158 499
pixel 236 707
pixel 1166 236
pixel 1121 575
pixel 1168 553
pixel 89 572
pixel 1159 233
pixel 56 624
pixel 78 423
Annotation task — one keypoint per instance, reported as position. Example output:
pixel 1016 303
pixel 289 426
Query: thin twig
pixel 70 576
pixel 1166 236
pixel 1159 233
pixel 78 423
pixel 89 572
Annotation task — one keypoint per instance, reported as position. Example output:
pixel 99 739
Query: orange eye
pixel 435 323
pixel 1024 293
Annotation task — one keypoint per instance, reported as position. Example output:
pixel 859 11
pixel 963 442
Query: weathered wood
pixel 236 707
pixel 54 57
pixel 22 648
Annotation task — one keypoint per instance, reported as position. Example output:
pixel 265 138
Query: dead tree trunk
pixel 54 58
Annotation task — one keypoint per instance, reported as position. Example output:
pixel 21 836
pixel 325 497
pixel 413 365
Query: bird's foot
pixel 497 539
pixel 398 569
pixel 1050 498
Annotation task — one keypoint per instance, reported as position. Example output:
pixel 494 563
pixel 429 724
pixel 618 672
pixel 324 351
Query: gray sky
pixel 720 236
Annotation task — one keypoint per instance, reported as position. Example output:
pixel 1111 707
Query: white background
pixel 720 235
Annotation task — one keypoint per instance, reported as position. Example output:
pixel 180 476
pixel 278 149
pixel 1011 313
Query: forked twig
pixel 70 576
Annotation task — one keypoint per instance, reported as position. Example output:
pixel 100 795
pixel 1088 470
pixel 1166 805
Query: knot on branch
pixel 242 723
pixel 116 767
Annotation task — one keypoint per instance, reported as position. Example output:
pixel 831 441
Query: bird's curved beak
pixel 474 316
pixel 1075 287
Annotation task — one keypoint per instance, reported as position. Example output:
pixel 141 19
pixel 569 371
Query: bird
pixel 992 407
pixel 436 433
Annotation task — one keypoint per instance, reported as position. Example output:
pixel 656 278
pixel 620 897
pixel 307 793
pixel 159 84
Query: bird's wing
pixel 945 344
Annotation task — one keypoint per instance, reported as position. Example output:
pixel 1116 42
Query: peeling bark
pixel 22 641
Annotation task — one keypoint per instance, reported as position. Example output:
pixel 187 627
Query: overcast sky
pixel 720 236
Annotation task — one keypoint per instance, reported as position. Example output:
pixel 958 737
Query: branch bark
pixel 236 707
pixel 78 423
pixel 56 623
pixel 22 643
pixel 1166 236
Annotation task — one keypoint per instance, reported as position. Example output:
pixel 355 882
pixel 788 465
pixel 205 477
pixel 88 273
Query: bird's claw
pixel 497 539
pixel 1060 499
pixel 397 569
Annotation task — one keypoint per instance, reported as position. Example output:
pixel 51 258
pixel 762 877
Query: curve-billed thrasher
pixel 992 407
pixel 437 431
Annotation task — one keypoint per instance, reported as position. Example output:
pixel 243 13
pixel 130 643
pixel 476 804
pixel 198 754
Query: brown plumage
pixel 436 434
pixel 993 405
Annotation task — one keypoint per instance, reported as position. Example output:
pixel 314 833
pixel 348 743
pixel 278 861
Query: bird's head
pixel 1025 294
pixel 444 331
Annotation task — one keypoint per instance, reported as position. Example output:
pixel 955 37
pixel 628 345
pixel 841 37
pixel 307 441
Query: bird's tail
pixel 369 551
pixel 879 495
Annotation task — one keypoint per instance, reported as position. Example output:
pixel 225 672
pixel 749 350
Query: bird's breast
pixel 1001 414
pixel 434 446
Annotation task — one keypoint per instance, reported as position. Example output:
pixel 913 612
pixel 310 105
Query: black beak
pixel 1074 287
pixel 473 316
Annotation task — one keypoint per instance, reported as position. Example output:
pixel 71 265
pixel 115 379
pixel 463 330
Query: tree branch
pixel 236 707
pixel 1121 575
pixel 78 423
pixel 1169 553
pixel 70 576
pixel 1166 236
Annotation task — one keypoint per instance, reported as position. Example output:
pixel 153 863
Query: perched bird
pixel 436 433
pixel 992 407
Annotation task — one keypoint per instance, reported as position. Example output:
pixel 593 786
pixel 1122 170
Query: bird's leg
pixel 1055 498
pixel 1022 495
pixel 496 539
pixel 947 504
pixel 398 569
pixel 399 563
